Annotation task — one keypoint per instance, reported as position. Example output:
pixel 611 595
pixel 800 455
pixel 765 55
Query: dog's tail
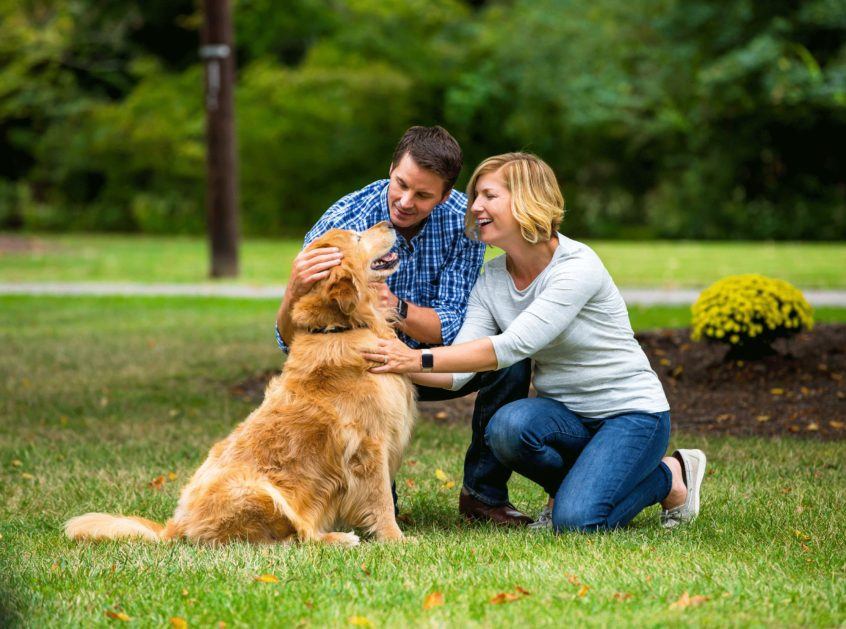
pixel 98 526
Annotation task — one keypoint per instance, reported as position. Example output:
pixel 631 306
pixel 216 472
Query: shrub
pixel 748 312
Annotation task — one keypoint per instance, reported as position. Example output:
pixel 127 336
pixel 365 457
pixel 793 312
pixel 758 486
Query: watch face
pixel 428 361
pixel 402 309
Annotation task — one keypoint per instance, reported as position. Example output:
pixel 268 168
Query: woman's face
pixel 492 211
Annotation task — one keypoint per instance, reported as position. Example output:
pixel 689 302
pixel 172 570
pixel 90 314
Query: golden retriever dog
pixel 321 451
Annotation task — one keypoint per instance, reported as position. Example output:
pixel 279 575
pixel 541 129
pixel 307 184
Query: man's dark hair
pixel 434 149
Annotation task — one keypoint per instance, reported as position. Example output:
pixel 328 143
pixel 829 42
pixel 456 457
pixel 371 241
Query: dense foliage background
pixel 697 119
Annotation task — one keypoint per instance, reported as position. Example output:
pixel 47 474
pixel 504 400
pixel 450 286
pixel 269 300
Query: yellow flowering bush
pixel 749 312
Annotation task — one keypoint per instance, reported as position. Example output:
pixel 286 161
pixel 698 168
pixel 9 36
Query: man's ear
pixel 446 196
pixel 343 291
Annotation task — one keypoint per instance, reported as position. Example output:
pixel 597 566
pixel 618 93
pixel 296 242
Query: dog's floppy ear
pixel 343 291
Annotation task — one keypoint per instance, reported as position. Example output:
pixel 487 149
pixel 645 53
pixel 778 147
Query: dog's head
pixel 343 298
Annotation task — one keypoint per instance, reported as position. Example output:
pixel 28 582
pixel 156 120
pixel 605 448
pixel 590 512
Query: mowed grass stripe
pixel 140 258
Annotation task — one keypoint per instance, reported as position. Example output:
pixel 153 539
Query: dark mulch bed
pixel 800 391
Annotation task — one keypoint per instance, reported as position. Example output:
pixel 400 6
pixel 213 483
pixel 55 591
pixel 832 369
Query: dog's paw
pixel 341 539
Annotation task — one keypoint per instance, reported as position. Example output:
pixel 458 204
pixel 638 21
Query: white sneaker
pixel 544 520
pixel 693 467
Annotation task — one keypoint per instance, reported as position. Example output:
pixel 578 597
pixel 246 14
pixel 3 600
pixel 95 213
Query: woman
pixel 595 435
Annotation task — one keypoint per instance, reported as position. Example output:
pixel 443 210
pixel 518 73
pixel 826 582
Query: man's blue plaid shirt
pixel 437 268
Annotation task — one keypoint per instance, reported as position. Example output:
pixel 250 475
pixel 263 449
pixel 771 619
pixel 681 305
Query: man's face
pixel 413 193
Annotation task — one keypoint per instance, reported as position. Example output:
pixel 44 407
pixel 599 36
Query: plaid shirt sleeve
pixel 457 277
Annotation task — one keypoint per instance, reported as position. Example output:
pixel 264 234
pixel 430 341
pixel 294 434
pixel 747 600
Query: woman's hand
pixel 393 356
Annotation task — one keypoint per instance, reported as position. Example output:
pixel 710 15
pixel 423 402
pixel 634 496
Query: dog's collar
pixel 333 330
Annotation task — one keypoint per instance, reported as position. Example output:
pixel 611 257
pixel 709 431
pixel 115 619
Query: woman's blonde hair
pixel 536 200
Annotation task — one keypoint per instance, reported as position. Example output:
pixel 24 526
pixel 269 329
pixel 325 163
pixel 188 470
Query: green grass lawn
pixel 184 259
pixel 102 395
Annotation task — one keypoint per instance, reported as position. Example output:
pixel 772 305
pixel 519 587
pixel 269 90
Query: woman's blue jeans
pixel 601 472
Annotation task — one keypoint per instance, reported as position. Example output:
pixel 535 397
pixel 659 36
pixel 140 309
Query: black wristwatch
pixel 402 309
pixel 427 361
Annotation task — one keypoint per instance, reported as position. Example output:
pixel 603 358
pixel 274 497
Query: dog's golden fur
pixel 321 451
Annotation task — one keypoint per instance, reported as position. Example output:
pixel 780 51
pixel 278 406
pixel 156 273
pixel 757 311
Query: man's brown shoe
pixel 474 509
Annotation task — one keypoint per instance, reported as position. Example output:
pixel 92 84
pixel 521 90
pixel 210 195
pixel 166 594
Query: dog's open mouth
pixel 386 262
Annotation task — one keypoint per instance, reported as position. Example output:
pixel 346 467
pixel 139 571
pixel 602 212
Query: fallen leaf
pixel 267 578
pixel 686 600
pixel 27 476
pixel 665 361
pixel 812 427
pixel 16 463
pixel 117 615
pixel 409 482
pixel 449 484
pixel 441 415
pixel 763 418
pixel 364 569
pixel 836 424
pixel 411 462
pixel 435 599
pixel 677 371
pixel 573 579
pixel 157 483
pixel 622 596
pixel 793 428
pixel 805 547
pixel 173 412
pixel 786 490
pixel 184 592
pixel 171 476
pixel 801 536
pixel 504 597
pixel 178 623
pixel 509 597
pixel 441 475
pixel 104 401
pixel 360 621
pixel 583 591
pixel 777 391
pixel 724 417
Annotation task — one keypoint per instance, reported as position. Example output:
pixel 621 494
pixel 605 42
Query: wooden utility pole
pixel 218 55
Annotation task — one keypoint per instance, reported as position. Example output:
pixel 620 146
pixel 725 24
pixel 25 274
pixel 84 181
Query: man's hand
pixel 385 299
pixel 310 266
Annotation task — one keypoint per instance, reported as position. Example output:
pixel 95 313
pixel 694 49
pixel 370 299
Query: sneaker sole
pixel 701 461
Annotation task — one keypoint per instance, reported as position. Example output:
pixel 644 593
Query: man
pixel 429 292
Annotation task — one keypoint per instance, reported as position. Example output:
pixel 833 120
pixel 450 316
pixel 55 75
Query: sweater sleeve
pixel 570 286
pixel 478 323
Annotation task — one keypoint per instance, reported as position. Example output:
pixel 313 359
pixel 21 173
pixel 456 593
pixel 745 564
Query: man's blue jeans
pixel 601 472
pixel 485 477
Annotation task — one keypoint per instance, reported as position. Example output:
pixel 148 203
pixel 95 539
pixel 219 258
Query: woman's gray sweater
pixel 572 321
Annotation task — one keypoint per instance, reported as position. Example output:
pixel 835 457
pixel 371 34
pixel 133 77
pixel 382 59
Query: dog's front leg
pixel 379 516
pixel 386 528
